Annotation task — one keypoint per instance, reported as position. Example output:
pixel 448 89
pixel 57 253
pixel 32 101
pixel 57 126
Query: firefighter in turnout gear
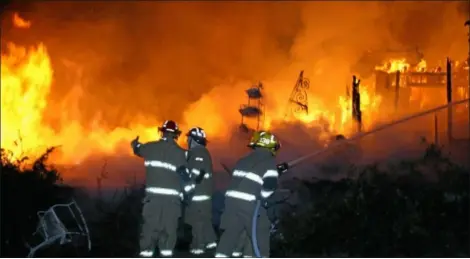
pixel 165 162
pixel 254 177
pixel 199 211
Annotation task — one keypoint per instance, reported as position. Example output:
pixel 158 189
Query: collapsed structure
pixel 397 86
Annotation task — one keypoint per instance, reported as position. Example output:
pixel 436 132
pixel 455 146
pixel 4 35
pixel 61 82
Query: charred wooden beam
pixel 425 79
pixel 397 89
pixel 436 131
pixel 467 23
pixel 449 100
pixel 356 103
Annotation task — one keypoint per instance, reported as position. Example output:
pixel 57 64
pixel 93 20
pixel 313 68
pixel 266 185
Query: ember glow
pixel 85 116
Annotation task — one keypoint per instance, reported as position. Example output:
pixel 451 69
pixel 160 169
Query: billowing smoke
pixel 191 61
pixel 157 58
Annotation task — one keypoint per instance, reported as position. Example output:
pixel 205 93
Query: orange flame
pixel 369 107
pixel 393 66
pixel 402 65
pixel 20 22
pixel 27 76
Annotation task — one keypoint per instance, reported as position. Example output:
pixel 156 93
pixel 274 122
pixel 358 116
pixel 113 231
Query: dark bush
pixel 115 227
pixel 24 191
pixel 415 209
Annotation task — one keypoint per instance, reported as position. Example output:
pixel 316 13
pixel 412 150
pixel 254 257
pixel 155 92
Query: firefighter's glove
pixel 263 201
pixel 135 143
pixel 265 204
pixel 184 174
pixel 282 168
pixel 200 177
pixel 188 191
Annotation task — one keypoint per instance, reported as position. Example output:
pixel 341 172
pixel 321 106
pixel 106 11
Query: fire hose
pixel 254 232
pixel 379 128
pixel 299 160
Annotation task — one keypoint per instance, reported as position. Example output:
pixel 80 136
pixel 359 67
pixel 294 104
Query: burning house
pixel 409 89
pixel 406 88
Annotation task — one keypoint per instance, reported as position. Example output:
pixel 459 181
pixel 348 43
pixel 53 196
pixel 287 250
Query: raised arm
pixel 139 149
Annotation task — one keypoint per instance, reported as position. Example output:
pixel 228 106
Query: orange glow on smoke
pixel 27 77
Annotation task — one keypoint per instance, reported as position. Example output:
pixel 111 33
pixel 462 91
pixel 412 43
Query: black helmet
pixel 170 126
pixel 198 135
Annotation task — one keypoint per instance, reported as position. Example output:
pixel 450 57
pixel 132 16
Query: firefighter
pixel 254 177
pixel 165 161
pixel 199 210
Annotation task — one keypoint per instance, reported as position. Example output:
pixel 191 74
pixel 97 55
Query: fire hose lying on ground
pixel 299 160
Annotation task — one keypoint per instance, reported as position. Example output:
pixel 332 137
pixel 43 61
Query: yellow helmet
pixel 265 139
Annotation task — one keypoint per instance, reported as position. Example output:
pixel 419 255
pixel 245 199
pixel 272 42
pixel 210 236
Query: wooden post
pixel 449 100
pixel 356 103
pixel 397 89
pixel 467 23
pixel 436 132
pixel 260 86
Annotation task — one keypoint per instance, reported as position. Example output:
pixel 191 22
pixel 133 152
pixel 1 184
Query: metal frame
pixel 254 107
pixel 298 99
pixel 62 235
